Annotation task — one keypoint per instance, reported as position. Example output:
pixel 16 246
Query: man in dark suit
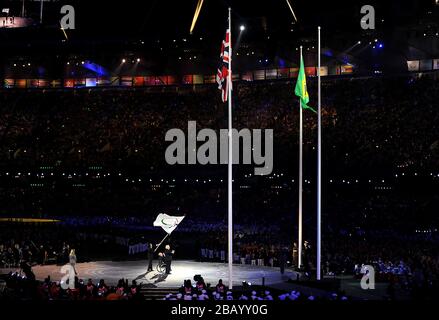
pixel 168 258
pixel 150 255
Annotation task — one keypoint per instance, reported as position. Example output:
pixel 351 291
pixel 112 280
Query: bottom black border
pixel 229 309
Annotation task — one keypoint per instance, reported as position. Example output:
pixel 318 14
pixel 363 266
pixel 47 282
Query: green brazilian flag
pixel 300 89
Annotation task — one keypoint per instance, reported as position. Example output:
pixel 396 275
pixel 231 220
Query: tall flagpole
pixel 230 162
pixel 319 163
pixel 41 11
pixel 300 179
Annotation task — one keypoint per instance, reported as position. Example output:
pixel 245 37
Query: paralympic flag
pixel 301 90
pixel 167 222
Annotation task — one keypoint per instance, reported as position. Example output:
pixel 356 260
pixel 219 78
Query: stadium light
pixel 138 59
pixel 124 60
pixel 242 27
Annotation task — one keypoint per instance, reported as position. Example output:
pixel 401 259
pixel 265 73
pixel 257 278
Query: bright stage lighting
pixel 242 27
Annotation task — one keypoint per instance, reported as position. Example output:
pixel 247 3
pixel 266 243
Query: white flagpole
pixel 41 11
pixel 300 179
pixel 230 162
pixel 158 245
pixel 319 164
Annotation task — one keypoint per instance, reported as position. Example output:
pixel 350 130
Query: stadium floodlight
pixel 242 27
pixel 138 59
pixel 124 60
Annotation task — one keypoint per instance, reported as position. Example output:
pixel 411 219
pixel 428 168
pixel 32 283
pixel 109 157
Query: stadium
pixel 107 194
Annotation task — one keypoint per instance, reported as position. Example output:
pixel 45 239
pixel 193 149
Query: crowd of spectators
pixel 20 286
pixel 95 159
pixel 367 122
pixel 200 291
pixel 51 243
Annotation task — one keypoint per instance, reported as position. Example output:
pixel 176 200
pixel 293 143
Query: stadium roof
pixel 159 29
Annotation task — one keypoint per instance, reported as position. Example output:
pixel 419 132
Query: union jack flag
pixel 222 76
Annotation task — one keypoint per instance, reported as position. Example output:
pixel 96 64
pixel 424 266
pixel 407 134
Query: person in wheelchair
pixel 160 263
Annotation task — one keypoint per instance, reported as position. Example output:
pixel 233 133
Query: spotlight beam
pixel 196 14
pixel 64 31
pixel 352 47
pixel 291 8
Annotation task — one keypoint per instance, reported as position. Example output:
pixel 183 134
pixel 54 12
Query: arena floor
pixel 112 271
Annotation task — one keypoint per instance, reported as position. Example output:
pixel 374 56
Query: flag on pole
pixel 301 90
pixel 222 75
pixel 224 80
pixel 167 222
pixel 319 161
